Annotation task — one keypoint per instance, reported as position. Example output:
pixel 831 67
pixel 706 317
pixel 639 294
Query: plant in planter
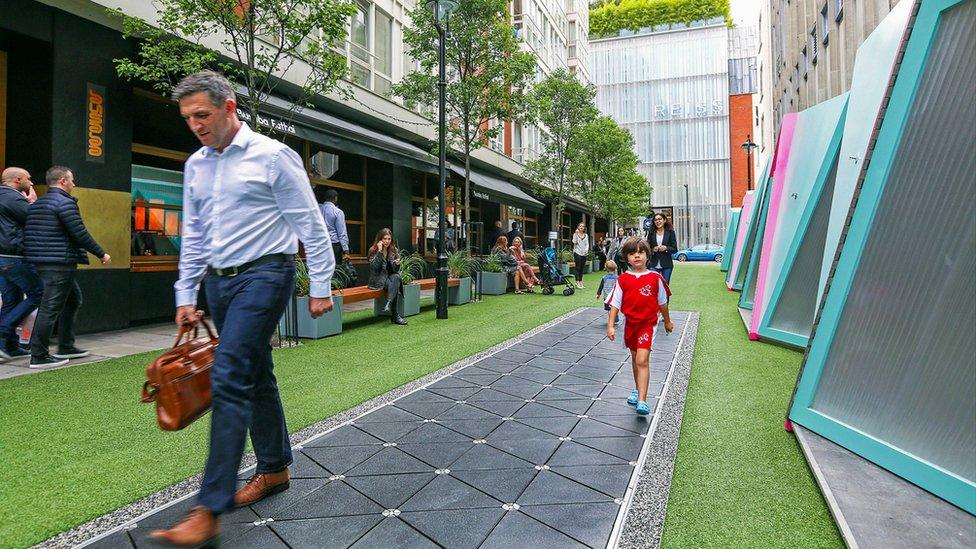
pixel 494 281
pixel 565 256
pixel 460 265
pixel 308 327
pixel 591 263
pixel 532 257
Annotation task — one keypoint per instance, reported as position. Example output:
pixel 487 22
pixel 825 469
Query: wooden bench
pixel 364 293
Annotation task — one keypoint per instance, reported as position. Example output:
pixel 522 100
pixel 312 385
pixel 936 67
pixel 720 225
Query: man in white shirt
pixel 246 203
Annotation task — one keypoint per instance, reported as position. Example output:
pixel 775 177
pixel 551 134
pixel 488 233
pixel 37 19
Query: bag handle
pixel 186 331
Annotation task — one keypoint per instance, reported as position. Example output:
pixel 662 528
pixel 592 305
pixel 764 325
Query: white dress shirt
pixel 251 200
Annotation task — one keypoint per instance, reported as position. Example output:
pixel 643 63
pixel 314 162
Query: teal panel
pixel 744 252
pixel 873 69
pixel 798 238
pixel 750 271
pixel 889 373
pixel 730 238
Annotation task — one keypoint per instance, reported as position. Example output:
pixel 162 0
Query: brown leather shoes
pixel 197 528
pixel 260 486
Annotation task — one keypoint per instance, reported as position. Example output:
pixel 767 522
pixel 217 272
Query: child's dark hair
pixel 634 245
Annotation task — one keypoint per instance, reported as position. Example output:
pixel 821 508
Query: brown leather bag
pixel 179 380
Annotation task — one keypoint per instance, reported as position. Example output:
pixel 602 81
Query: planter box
pixel 314 328
pixel 564 268
pixel 597 267
pixel 408 306
pixel 588 266
pixel 494 283
pixel 460 294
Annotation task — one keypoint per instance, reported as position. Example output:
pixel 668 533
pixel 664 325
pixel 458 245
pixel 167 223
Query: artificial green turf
pixel 76 443
pixel 740 479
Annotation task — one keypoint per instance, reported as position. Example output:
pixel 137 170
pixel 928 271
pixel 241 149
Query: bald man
pixel 20 286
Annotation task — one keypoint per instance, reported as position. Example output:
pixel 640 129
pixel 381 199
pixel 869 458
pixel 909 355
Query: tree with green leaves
pixel 259 42
pixel 487 74
pixel 604 167
pixel 612 16
pixel 562 105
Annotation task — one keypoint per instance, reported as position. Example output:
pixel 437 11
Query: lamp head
pixel 748 146
pixel 442 9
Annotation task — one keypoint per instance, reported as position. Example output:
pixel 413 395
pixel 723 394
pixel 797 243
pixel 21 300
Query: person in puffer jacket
pixel 55 242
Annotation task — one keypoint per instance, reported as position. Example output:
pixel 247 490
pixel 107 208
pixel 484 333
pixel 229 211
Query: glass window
pixel 824 24
pixel 157 213
pixel 359 33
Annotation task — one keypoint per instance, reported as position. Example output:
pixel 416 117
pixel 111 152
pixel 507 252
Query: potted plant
pixel 308 327
pixel 565 257
pixel 494 281
pixel 460 265
pixel 592 264
pixel 412 268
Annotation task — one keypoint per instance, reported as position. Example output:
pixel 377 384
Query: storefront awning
pixel 339 134
pixel 492 188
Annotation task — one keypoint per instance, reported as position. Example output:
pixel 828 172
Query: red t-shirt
pixel 640 296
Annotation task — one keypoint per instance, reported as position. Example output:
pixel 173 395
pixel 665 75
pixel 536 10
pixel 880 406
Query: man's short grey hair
pixel 214 84
pixel 55 173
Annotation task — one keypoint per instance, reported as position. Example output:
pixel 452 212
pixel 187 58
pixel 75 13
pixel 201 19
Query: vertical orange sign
pixel 95 125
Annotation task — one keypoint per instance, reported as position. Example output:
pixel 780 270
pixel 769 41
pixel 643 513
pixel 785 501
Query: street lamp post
pixel 687 216
pixel 749 146
pixel 441 10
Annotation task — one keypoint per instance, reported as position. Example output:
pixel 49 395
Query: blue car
pixel 701 252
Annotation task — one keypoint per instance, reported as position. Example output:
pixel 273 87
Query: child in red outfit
pixel 640 294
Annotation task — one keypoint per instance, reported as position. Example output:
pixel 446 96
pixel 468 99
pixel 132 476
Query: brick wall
pixel 740 127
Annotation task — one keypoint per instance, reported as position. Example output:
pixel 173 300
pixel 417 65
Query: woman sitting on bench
pixel 384 273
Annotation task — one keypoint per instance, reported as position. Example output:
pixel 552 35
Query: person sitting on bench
pixel 384 272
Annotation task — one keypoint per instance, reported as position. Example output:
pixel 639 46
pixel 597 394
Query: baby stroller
pixel 550 275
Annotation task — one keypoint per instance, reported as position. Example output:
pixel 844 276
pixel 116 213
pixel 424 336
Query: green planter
pixel 596 266
pixel 588 267
pixel 314 328
pixel 494 283
pixel 408 306
pixel 460 294
pixel 564 268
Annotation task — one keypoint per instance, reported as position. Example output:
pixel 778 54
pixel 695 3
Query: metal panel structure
pixel 889 373
pixel 730 237
pixel 747 231
pixel 671 89
pixel 800 226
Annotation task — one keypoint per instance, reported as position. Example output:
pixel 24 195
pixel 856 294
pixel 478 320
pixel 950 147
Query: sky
pixel 745 12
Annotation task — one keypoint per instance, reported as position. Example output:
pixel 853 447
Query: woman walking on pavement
pixel 663 243
pixel 581 250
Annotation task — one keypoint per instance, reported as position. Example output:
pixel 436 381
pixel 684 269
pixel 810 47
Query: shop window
pixel 157 218
pixel 346 180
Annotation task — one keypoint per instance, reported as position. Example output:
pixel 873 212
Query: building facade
pixel 806 54
pixel 743 85
pixel 670 89
pixel 56 69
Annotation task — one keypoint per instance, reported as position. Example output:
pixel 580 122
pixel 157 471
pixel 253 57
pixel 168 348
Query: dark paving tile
pixel 609 479
pixel 548 363
pixel 595 374
pixel 631 422
pixel 625 448
pixel 390 491
pixel 593 428
pixel 172 514
pixel 617 393
pixel 387 462
pixel 473 428
pixel 578 406
pixel 120 540
pixel 460 393
pixel 537 375
pixel 483 456
pixel 390 431
pixel 538 409
pixel 450 382
pixel 560 353
pixel 256 537
pixel 505 485
pixel 306 467
pixel 519 530
pixel 536 451
pixel 571 453
pixel 559 426
pixel 340 459
pixel 603 363
pixel 229 534
pixel 457 529
pixel 580 387
pixel 347 435
pixel 393 532
pixel 336 499
pixel 514 356
pixel 615 407
pixel 549 488
pixel 483 379
pixel 512 430
pixel 518 387
pixel 387 414
pixel 438 456
pixel 501 408
pixel 466 411
pixel 491 394
pixel 324 532
pixel 590 523
pixel 421 396
pixel 447 492
pixel 426 410
pixel 495 365
pixel 433 433
pixel 555 393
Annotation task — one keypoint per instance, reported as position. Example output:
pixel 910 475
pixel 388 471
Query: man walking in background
pixel 335 222
pixel 17 277
pixel 246 203
pixel 56 241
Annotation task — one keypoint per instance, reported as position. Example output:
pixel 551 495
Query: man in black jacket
pixel 55 241
pixel 17 277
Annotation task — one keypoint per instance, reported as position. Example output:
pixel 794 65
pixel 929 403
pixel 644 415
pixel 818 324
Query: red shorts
pixel 639 336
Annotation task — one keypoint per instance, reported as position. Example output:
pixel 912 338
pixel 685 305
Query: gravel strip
pixel 106 525
pixel 645 517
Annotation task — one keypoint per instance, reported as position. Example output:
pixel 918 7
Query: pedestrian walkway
pixel 533 446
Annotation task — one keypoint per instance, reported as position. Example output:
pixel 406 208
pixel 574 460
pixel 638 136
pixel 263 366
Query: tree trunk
pixel 467 198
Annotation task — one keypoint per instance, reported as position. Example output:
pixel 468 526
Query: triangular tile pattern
pixel 527 447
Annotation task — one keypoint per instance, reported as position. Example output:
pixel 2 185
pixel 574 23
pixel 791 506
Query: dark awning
pixel 339 134
pixel 499 190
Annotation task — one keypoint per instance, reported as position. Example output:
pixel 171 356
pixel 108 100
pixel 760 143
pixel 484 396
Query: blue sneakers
pixel 632 399
pixel 643 409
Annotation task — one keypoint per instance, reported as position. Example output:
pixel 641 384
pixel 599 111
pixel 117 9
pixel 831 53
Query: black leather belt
pixel 234 271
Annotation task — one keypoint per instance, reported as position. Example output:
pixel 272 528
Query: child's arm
pixel 599 290
pixel 611 320
pixel 668 325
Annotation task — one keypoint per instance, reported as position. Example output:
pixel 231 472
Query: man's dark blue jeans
pixel 246 308
pixel 17 280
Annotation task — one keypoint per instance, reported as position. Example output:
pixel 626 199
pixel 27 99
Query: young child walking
pixel 640 294
pixel 607 284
